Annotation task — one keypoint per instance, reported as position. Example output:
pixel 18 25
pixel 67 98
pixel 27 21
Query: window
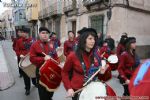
pixel 96 22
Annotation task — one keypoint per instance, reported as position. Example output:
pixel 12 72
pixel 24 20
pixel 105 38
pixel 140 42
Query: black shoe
pixel 27 92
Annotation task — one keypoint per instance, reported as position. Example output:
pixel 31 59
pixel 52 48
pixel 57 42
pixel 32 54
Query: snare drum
pixel 50 75
pixel 95 90
pixel 27 66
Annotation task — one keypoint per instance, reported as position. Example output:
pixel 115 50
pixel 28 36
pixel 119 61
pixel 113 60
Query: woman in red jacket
pixel 127 63
pixel 81 62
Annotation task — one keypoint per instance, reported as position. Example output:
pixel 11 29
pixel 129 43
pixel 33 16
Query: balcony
pixel 55 9
pixel 91 2
pixel 71 7
pixel 68 8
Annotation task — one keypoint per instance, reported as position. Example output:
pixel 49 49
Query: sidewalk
pixel 6 79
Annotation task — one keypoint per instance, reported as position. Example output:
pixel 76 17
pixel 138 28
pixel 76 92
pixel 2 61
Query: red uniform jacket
pixel 68 47
pixel 120 49
pixel 36 56
pixel 73 63
pixel 143 88
pixel 22 46
pixel 126 65
pixel 14 43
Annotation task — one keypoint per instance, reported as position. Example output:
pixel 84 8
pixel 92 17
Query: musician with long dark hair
pixel 83 62
pixel 127 63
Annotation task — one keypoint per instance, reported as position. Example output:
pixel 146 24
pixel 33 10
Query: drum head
pixel 59 51
pixel 113 59
pixel 93 90
pixel 25 62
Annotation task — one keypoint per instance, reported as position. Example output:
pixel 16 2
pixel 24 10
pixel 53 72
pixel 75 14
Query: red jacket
pixel 21 44
pixel 73 63
pixel 68 47
pixel 126 65
pixel 143 88
pixel 14 43
pixel 36 56
pixel 120 49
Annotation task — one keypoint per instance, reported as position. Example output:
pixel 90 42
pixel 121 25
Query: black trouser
pixel 43 93
pixel 20 71
pixel 126 90
pixel 27 80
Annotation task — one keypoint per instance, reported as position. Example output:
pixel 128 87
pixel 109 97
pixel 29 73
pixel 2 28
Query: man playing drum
pixel 22 49
pixel 83 62
pixel 14 48
pixel 42 50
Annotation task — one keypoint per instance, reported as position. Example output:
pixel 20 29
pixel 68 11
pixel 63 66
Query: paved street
pixel 16 92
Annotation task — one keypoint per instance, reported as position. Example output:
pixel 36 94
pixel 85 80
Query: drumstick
pixel 76 91
pixel 92 77
pixel 51 58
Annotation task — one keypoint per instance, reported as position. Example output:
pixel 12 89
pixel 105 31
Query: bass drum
pixel 96 91
pixel 50 75
pixel 27 66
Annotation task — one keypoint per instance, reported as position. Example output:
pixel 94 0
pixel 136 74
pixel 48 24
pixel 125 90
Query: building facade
pixel 32 16
pixel 7 27
pixel 112 17
pixel 19 14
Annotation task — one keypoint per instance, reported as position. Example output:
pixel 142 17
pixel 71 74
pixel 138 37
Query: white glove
pixel 47 57
pixel 103 69
pixel 70 93
pixel 22 56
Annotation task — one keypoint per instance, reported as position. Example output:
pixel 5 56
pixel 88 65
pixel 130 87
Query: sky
pixel 2 8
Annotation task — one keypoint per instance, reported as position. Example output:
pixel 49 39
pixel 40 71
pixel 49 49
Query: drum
pixel 27 66
pixel 50 75
pixel 96 90
pixel 60 54
pixel 113 62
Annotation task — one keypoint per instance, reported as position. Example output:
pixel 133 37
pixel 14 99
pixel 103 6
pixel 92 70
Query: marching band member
pixel 38 58
pixel 104 53
pixel 120 50
pixel 139 84
pixel 127 63
pixel 83 62
pixel 121 45
pixel 69 44
pixel 22 48
pixel 55 40
pixel 14 48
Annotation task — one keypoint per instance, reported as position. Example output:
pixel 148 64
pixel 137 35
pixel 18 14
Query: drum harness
pixel 92 69
pixel 51 52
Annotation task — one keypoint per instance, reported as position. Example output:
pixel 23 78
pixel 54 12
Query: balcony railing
pixel 91 2
pixel 70 6
pixel 55 9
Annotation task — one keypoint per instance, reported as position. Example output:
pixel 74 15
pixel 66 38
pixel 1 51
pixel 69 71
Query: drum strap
pixel 51 52
pixel 92 69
